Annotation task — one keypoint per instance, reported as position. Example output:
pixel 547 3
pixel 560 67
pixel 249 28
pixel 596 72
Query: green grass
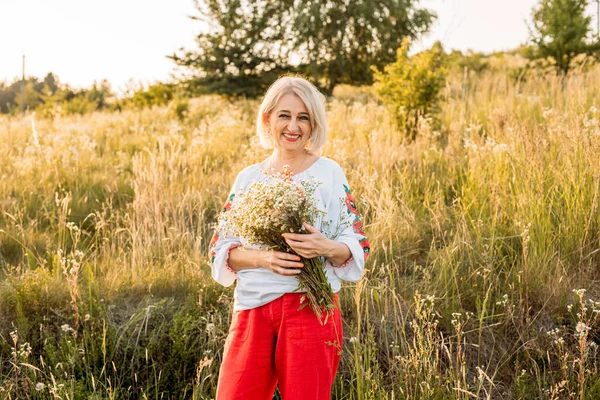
pixel 479 234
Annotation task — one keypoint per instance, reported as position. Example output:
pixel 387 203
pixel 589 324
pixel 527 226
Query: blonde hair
pixel 313 100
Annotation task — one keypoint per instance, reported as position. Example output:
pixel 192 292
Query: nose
pixel 293 126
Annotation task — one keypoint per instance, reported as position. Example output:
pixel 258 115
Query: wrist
pixel 330 249
pixel 249 259
pixel 339 253
pixel 258 258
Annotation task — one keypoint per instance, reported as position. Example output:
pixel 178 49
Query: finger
pixel 297 245
pixel 310 228
pixel 291 261
pixel 306 253
pixel 294 236
pixel 286 256
pixel 291 264
pixel 303 239
pixel 300 248
pixel 287 271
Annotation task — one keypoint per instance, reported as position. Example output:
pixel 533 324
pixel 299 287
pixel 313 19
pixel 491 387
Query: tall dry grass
pixel 480 231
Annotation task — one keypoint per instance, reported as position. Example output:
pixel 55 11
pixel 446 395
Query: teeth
pixel 289 136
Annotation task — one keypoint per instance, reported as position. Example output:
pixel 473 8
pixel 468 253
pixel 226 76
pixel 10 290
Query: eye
pixel 304 118
pixel 283 116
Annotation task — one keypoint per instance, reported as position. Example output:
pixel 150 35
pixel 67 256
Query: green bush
pixel 411 85
pixel 158 94
pixel 471 61
pixel 179 108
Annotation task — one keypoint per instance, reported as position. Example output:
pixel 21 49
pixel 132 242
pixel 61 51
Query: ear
pixel 266 119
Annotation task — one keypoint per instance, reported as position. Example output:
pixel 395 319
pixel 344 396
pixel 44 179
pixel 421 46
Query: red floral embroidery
pixel 357 223
pixel 227 205
pixel 366 246
pixel 350 203
pixel 235 246
pixel 211 247
pixel 215 238
pixel 342 265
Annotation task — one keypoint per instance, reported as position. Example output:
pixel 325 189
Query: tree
pixel 7 98
pixel 32 93
pixel 245 49
pixel 49 96
pixel 339 41
pixel 51 84
pixel 334 41
pixel 412 85
pixel 560 31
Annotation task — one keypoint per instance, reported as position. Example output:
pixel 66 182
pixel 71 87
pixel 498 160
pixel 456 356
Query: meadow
pixel 483 278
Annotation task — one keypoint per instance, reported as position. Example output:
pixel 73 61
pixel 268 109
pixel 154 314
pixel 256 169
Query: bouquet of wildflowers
pixel 266 210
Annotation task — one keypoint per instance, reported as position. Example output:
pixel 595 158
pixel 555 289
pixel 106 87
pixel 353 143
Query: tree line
pixel 35 93
pixel 248 44
pixel 48 96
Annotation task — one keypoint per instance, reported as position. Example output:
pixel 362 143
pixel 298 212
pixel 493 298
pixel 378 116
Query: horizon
pixel 133 51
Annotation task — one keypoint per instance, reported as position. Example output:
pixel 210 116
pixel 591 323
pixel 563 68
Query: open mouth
pixel 291 137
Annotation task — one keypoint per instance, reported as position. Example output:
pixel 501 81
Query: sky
pixel 479 25
pixel 82 41
pixel 122 40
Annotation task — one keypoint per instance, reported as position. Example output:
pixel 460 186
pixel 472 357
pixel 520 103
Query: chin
pixel 291 146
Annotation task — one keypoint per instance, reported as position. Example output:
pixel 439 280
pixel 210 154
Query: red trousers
pixel 275 344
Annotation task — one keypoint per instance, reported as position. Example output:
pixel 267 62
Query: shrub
pixel 158 94
pixel 471 61
pixel 411 85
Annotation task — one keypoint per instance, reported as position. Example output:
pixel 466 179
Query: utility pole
pixel 23 87
pixel 598 19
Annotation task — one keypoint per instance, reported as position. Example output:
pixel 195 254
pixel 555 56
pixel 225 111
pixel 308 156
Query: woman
pixel 270 341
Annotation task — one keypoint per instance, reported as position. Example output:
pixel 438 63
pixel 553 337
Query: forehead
pixel 291 102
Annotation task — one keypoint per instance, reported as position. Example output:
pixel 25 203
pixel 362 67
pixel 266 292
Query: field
pixel 484 274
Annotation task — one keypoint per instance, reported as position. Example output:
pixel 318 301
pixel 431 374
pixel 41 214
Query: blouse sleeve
pixel 349 230
pixel 221 246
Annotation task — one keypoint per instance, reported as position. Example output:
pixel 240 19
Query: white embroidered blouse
pixel 259 286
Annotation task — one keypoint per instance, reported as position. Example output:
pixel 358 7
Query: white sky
pixel 483 25
pixel 479 25
pixel 82 40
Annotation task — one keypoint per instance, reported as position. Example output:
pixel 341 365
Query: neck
pixel 296 160
pixel 289 158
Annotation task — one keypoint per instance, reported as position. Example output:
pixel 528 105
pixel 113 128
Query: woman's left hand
pixel 308 245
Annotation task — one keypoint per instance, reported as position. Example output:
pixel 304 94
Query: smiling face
pixel 289 124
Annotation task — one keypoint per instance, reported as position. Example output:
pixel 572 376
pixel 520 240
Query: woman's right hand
pixel 281 263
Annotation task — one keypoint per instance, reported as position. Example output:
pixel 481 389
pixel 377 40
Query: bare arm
pixel 278 262
pixel 339 253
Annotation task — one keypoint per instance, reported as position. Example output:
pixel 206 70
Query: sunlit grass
pixel 479 231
